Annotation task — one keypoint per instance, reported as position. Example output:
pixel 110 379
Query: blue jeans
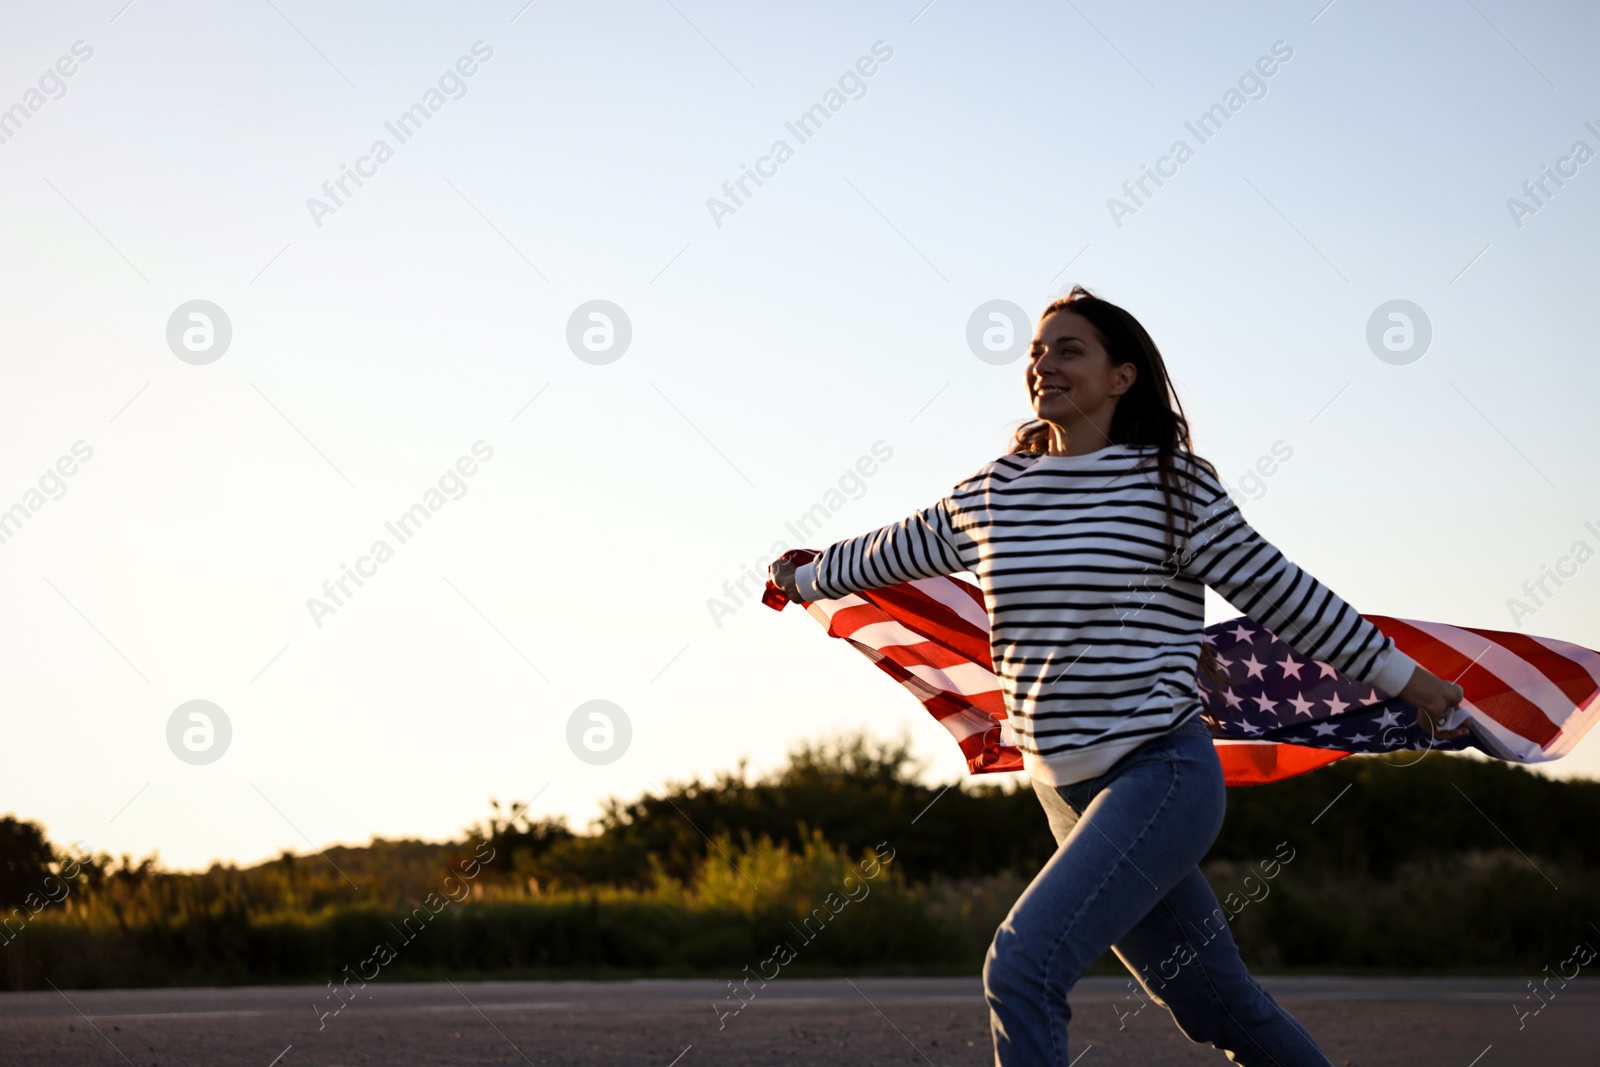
pixel 1125 877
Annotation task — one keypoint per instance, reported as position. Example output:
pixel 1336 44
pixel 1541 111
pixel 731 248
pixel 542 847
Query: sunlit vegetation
pixel 844 856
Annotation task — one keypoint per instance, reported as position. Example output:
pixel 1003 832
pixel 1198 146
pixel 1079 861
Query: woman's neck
pixel 1086 440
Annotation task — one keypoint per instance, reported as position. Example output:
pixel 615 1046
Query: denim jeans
pixel 1125 877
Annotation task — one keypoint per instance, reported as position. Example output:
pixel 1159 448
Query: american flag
pixel 1527 699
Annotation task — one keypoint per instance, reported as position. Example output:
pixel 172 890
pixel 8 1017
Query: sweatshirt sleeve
pixel 925 544
pixel 1226 553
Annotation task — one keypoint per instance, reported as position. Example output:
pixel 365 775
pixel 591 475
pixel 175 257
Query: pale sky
pixel 376 339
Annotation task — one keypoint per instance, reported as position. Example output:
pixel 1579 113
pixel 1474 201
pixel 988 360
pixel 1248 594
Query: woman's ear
pixel 1127 373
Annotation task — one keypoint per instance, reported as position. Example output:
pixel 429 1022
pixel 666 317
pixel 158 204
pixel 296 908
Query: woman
pixel 1096 614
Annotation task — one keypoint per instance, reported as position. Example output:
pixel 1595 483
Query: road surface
pixel 1371 1022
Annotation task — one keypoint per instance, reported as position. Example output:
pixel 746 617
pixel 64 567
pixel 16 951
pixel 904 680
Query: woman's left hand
pixel 1433 698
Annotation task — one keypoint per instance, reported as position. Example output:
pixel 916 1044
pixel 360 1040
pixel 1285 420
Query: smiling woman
pixel 1103 486
pixel 1074 385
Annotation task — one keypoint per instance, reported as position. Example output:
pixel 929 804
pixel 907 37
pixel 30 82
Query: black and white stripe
pixel 1095 625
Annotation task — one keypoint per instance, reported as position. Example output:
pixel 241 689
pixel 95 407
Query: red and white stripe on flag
pixel 1529 698
pixel 1533 697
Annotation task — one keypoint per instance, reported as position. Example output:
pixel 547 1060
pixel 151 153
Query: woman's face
pixel 1070 378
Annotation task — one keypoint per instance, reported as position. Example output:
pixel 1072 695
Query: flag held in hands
pixel 1526 699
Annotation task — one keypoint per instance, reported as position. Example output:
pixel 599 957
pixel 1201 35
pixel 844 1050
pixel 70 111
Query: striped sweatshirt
pixel 1095 624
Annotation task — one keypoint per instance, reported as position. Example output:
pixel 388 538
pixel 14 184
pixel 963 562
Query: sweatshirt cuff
pixel 805 580
pixel 1394 671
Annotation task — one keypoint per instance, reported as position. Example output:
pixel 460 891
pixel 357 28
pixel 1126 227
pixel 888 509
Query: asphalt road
pixel 1461 1022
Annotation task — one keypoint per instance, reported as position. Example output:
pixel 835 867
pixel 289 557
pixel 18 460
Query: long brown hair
pixel 1149 413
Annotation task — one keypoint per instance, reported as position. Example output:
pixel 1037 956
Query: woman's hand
pixel 1433 697
pixel 781 573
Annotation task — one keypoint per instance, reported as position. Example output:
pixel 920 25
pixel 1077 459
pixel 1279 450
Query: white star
pixel 1324 729
pixel 1291 668
pixel 1241 633
pixel 1337 705
pixel 1327 670
pixel 1360 737
pixel 1388 718
pixel 1231 698
pixel 1302 706
pixel 1255 668
pixel 1249 727
pixel 1268 706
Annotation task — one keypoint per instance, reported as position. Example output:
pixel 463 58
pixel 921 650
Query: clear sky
pixel 382 331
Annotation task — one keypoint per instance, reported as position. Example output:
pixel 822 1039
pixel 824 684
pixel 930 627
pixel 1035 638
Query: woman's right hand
pixel 781 573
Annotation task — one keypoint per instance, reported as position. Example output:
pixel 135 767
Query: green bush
pixel 1400 864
